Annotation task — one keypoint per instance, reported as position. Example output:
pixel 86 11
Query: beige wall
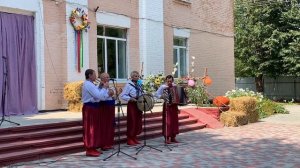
pixel 211 39
pixel 128 8
pixel 55 54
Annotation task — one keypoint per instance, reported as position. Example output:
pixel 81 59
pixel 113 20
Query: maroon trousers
pixel 91 127
pixel 134 120
pixel 107 123
pixel 170 120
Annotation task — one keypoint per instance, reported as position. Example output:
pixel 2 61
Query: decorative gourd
pixel 220 101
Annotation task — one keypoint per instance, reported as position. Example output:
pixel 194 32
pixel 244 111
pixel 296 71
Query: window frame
pixel 116 39
pixel 178 56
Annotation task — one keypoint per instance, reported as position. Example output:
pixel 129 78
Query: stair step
pixel 158 125
pixel 156 119
pixel 13 130
pixel 148 115
pixel 40 133
pixel 32 144
pixel 191 127
pixel 187 121
pixel 32 154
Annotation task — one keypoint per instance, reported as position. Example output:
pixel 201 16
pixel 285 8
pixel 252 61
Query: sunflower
pixel 157 81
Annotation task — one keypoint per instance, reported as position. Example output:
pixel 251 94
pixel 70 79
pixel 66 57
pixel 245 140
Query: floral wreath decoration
pixel 79 19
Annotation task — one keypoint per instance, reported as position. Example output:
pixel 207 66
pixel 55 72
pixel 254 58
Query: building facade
pixel 129 35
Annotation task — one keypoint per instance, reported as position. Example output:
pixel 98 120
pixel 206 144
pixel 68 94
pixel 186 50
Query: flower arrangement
pixel 79 19
pixel 152 82
pixel 197 93
pixel 243 92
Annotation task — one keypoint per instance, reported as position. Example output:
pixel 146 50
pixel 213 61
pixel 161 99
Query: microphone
pixel 112 79
pixel 140 83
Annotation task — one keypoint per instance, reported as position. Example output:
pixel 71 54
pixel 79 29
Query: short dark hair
pixel 88 72
pixel 169 77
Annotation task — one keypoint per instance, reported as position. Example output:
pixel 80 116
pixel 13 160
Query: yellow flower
pixel 157 81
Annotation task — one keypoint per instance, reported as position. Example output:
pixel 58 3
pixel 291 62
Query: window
pixel 111 51
pixel 180 56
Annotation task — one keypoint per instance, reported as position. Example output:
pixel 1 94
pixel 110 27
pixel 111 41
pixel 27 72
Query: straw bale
pixel 243 104
pixel 72 91
pixel 233 118
pixel 75 106
pixel 253 116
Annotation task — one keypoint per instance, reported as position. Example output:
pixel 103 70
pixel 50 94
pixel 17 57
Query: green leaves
pixel 197 95
pixel 267 38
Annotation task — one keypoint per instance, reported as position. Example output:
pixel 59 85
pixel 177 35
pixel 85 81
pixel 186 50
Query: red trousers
pixel 170 126
pixel 91 127
pixel 107 123
pixel 134 120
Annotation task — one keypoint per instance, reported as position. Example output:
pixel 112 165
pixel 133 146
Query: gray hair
pixel 134 73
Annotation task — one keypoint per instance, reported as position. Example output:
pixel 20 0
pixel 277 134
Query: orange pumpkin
pixel 221 101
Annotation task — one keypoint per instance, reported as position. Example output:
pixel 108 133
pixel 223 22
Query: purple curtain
pixel 17 45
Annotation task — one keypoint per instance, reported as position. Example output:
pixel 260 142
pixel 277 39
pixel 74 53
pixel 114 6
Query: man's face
pixel 169 82
pixel 93 76
pixel 105 78
pixel 135 77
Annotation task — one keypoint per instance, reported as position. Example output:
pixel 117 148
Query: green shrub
pixel 197 95
pixel 267 108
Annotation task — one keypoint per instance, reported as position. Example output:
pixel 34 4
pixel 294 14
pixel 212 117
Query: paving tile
pixel 255 145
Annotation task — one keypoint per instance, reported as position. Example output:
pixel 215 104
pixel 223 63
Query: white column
pixel 73 74
pixel 151 36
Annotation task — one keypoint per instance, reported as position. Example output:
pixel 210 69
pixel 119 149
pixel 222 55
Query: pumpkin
pixel 220 101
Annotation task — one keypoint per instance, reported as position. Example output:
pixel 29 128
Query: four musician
pixel 130 94
pixel 99 112
pixel 170 126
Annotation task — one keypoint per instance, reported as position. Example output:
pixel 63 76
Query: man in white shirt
pixel 91 96
pixel 170 110
pixel 130 94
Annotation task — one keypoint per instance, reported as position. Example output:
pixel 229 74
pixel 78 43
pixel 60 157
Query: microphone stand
pixel 4 89
pixel 166 127
pixel 119 136
pixel 145 141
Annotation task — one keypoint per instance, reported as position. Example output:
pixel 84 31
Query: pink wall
pixel 128 8
pixel 211 39
pixel 55 54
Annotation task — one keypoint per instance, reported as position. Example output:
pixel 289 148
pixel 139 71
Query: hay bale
pixel 72 91
pixel 253 116
pixel 243 104
pixel 233 118
pixel 75 106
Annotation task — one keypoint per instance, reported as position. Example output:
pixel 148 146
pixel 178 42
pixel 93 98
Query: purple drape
pixel 17 45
